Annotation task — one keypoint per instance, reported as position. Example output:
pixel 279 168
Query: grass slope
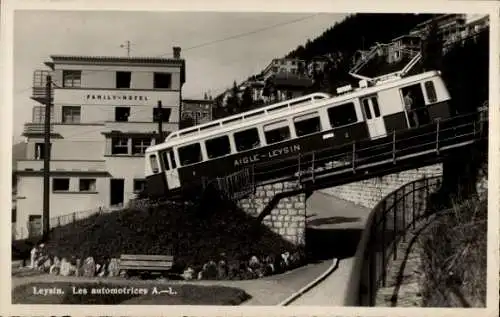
pixel 454 257
pixel 195 235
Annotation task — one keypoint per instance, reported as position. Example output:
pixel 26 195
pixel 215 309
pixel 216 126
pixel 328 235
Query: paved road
pixel 270 290
pixel 335 227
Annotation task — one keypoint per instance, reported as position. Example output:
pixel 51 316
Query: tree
pixel 432 49
pixel 269 88
pixel 246 99
pixel 233 102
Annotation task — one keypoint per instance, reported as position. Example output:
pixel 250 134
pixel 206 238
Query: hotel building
pixel 104 115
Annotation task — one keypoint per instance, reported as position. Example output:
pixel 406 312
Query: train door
pixel 414 103
pixel 373 118
pixel 170 168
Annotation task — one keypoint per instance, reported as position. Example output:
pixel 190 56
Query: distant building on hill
pixel 198 111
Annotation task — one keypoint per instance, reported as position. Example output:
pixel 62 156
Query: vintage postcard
pixel 325 158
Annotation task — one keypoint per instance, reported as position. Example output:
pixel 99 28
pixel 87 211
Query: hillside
pixel 357 32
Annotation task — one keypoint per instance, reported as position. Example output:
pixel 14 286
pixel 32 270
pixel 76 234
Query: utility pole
pixel 127 46
pixel 160 123
pixel 46 159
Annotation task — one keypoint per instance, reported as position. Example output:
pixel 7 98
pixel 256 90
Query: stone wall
pixel 369 192
pixel 287 218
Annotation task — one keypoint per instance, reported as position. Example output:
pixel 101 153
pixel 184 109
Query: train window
pixel 376 108
pixel 307 124
pixel 342 115
pixel 172 159
pixel 366 108
pixel 154 163
pixel 277 132
pixel 431 91
pixel 218 147
pixel 164 159
pixel 247 139
pixel 190 154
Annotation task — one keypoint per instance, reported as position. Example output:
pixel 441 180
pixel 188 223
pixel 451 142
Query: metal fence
pixel 386 227
pixel 21 232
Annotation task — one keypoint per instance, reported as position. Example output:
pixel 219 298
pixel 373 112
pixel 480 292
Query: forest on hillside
pixel 357 32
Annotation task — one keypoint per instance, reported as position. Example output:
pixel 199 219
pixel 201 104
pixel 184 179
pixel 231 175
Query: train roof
pixel 287 107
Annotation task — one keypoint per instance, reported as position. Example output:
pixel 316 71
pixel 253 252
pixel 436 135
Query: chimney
pixel 177 52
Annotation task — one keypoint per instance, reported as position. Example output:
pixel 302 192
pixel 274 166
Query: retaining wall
pixel 287 218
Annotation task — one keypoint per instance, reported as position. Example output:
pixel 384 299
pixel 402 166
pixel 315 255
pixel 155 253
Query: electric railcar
pixel 275 132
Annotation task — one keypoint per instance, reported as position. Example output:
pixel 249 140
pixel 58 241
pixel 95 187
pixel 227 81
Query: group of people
pixel 38 256
pixel 255 267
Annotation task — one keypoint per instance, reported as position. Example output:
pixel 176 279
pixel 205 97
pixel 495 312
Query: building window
pixel 162 80
pixel 87 185
pixel 72 78
pixel 277 132
pixel 123 79
pixel 342 115
pixel 307 124
pixel 247 139
pixel 60 184
pixel 40 151
pixel 165 114
pixel 119 145
pixel 14 215
pixel 122 114
pixel 190 154
pixel 39 114
pixel 139 185
pixel 71 114
pixel 139 145
pixel 218 147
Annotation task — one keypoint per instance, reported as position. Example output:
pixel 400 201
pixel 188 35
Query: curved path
pixel 270 290
pixel 334 229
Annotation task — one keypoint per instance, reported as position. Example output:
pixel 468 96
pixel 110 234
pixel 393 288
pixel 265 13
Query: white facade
pixel 102 122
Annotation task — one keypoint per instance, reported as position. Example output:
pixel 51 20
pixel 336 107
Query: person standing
pixel 412 114
pixel 33 258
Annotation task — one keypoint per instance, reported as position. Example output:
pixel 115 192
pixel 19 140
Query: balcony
pixel 62 166
pixel 39 86
pixel 36 129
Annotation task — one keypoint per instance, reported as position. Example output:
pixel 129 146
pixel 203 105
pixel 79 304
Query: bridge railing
pixel 432 138
pixel 386 226
pixel 359 156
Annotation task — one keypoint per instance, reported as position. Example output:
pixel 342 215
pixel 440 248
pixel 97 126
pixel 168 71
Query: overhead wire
pixel 232 37
pixel 195 47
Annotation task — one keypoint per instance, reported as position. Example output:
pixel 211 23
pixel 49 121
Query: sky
pixel 219 47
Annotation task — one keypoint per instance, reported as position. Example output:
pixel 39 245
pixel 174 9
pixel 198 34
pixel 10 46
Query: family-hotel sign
pixel 116 97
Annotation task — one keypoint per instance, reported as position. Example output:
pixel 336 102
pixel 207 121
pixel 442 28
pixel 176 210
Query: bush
pixel 454 256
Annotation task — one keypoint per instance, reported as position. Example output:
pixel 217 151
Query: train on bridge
pixel 269 136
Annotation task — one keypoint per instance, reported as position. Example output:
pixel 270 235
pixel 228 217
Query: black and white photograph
pixel 259 158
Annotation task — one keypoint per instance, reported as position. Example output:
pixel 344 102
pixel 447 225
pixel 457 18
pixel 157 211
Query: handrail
pixel 374 250
pixel 354 149
pixel 252 113
pixel 317 166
